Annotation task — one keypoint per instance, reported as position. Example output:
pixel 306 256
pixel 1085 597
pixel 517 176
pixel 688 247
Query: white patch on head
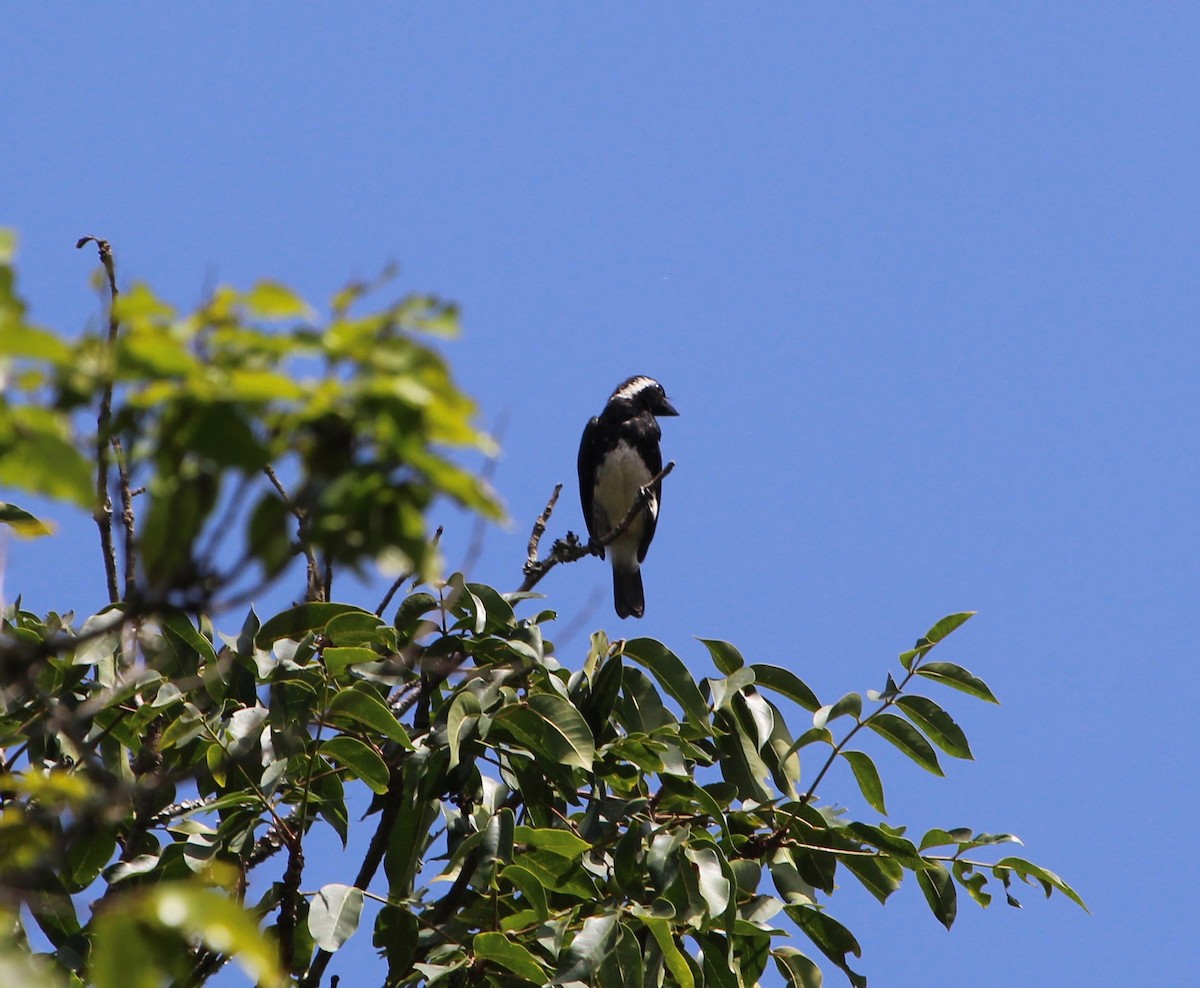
pixel 634 387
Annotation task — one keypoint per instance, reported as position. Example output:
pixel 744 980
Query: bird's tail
pixel 628 597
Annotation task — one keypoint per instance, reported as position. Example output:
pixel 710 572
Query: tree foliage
pixel 603 818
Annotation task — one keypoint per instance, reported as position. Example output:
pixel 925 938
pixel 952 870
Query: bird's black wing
pixel 646 439
pixel 589 459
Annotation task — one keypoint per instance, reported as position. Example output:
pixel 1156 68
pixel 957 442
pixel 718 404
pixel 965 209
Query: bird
pixel 619 455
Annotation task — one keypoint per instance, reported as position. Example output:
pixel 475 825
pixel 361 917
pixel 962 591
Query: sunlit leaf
pixel 786 683
pixel 367 709
pixel 361 760
pixel 867 777
pixel 937 725
pixel 958 678
pixel 496 948
pixel 333 915
pixel 22 522
pixel 908 739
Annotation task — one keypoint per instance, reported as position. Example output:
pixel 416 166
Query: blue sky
pixel 921 280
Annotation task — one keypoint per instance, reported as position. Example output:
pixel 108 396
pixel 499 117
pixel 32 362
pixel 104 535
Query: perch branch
pixel 570 548
pixel 102 511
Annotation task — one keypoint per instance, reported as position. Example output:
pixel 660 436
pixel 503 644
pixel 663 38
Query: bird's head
pixel 644 394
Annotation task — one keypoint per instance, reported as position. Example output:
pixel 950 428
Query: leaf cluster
pixel 607 819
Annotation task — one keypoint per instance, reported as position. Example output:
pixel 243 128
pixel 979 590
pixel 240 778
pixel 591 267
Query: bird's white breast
pixel 621 474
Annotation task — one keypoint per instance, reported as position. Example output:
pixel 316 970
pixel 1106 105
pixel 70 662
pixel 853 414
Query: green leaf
pixel 553 872
pixel 867 777
pixel 674 677
pixel 1026 870
pixel 880 876
pixel 833 939
pixel 338 660
pixel 714 886
pixel 22 522
pixel 464 712
pixel 938 725
pixel 178 624
pixel 725 656
pixel 676 963
pixel 907 738
pixel 368 709
pixel 333 915
pixel 849 705
pixel 296 622
pixel 945 626
pixel 577 746
pixel 561 842
pixel 359 759
pixel 35 456
pixel 497 949
pixel 589 950
pixel 957 678
pixel 797 969
pixel 789 883
pixel 940 892
pixel 130 950
pixel 271 300
pixel 356 628
pixel 22 340
pixel 786 683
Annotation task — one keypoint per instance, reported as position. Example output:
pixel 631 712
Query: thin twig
pixel 315 587
pixel 387 598
pixel 570 548
pixel 102 511
pixel 127 519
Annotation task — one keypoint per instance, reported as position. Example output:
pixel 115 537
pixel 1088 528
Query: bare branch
pixel 130 552
pixel 571 548
pixel 387 598
pixel 102 511
pixel 316 586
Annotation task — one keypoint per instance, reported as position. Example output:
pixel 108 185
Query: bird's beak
pixel 665 408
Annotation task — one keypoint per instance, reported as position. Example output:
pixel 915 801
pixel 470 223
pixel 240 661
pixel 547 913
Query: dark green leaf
pixel 908 739
pixel 576 746
pixel 947 625
pixel 497 949
pixel 940 893
pixel 849 705
pixel 365 763
pixel 674 677
pixel 797 969
pixel 958 678
pixel 298 621
pixel 833 939
pixel 725 656
pixel 561 842
pixel 589 950
pixel 880 876
pixel 938 725
pixel 1026 870
pixel 867 777
pixel 367 709
pixel 786 683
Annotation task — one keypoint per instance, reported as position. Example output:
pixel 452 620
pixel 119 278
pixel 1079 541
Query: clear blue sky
pixel 921 279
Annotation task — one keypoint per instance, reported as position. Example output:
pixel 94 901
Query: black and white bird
pixel 618 456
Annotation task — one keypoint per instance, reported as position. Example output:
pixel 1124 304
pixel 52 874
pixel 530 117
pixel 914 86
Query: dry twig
pixel 571 548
